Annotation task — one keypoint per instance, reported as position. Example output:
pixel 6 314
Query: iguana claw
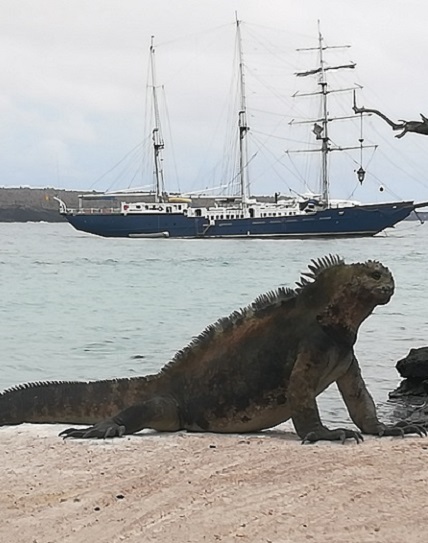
pixel 401 428
pixel 339 434
pixel 101 430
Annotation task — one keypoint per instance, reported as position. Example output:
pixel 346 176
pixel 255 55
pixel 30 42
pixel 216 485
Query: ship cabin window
pixel 147 207
pixel 251 211
pixel 227 216
pixel 179 208
pixel 138 206
pixel 198 213
pixel 221 216
pixel 169 209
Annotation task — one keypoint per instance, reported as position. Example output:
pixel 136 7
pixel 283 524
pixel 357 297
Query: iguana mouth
pixel 384 293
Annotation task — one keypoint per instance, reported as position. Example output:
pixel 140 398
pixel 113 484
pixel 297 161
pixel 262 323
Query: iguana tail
pixel 72 402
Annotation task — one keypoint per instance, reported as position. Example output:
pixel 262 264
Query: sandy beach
pixel 201 487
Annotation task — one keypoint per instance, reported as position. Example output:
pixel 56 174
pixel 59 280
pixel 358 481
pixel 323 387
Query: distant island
pixel 24 204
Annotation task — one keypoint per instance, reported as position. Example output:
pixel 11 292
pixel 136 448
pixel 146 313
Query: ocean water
pixel 76 306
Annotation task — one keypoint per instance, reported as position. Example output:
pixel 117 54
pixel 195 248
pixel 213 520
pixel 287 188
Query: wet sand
pixel 189 488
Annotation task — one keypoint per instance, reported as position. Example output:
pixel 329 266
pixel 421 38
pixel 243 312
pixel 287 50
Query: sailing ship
pixel 242 216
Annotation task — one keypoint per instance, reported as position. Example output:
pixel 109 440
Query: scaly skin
pixel 252 370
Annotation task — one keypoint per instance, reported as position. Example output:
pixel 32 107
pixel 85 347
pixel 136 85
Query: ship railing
pixel 95 210
pixel 85 210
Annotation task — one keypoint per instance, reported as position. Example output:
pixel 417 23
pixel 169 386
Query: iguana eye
pixel 376 275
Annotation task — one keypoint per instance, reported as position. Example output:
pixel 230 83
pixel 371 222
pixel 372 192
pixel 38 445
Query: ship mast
pixel 242 120
pixel 158 143
pixel 325 147
pixel 321 124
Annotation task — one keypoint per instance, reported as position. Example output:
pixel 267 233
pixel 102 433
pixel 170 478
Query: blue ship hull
pixel 363 220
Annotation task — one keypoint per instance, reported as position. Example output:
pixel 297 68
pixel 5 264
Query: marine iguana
pixel 260 366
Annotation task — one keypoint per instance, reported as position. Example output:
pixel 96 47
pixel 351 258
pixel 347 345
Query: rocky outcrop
pixel 414 370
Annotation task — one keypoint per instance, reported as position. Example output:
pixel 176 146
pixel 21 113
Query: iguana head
pixel 343 295
pixel 372 282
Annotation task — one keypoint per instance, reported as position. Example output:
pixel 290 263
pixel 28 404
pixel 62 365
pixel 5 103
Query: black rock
pixel 410 387
pixel 414 365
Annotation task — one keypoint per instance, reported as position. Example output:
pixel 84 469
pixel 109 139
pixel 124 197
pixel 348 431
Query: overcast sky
pixel 74 75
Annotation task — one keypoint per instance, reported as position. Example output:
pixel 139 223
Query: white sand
pixel 189 488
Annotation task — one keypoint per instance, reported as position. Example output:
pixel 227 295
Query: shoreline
pixel 189 488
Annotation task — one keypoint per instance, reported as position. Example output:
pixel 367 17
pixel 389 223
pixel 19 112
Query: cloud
pixel 74 78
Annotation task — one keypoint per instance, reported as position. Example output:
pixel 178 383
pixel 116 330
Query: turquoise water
pixel 76 306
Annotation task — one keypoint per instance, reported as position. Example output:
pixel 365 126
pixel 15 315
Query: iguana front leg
pixel 159 413
pixel 301 397
pixel 362 409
